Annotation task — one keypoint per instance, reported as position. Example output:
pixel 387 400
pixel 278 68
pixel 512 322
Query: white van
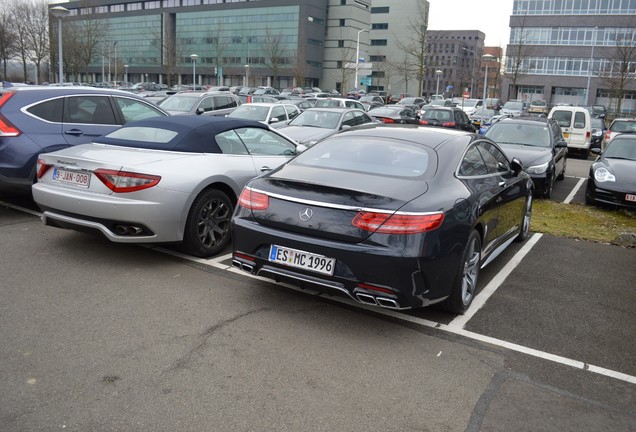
pixel 576 124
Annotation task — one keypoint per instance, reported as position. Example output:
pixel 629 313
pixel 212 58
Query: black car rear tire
pixel 207 229
pixel 525 219
pixel 465 285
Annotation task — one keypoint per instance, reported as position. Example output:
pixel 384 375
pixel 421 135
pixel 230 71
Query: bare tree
pixel 171 50
pixel 620 68
pixel 517 54
pixel 37 33
pixel 300 68
pixel 21 12
pixel 8 48
pixel 275 54
pixel 415 48
pixel 218 43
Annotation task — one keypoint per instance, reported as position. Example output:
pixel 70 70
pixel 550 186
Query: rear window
pixel 624 126
pixel 370 156
pixel 144 134
pixel 563 118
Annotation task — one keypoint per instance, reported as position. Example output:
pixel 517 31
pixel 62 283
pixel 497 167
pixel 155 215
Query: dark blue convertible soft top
pixel 194 133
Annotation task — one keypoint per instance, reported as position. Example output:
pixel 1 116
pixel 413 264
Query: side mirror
pixel 560 144
pixel 301 148
pixel 273 120
pixel 199 111
pixel 596 151
pixel 516 166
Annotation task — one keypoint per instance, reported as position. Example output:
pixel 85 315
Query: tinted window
pixel 472 164
pixel 89 110
pixel 132 109
pixel 51 110
pixel 278 112
pixel 496 161
pixel 292 111
pixel 264 142
pixel 207 104
pixel 230 143
pixel 369 155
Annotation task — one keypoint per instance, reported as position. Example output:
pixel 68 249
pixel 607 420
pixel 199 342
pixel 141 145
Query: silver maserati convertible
pixel 168 179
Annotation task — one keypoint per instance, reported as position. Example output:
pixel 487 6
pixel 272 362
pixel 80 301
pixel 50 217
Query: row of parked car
pixel 365 211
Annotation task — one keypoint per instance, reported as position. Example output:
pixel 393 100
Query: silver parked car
pixel 197 103
pixel 273 114
pixel 171 180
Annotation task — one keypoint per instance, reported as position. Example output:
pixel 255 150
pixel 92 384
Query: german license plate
pixel 303 260
pixel 630 197
pixel 76 178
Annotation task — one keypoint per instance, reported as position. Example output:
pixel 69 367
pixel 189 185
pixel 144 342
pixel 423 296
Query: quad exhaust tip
pixel 377 301
pixel 128 230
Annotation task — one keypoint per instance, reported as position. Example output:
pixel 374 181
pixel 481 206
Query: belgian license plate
pixel 630 197
pixel 303 260
pixel 76 178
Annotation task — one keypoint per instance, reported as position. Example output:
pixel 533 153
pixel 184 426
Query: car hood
pixel 302 134
pixel 528 155
pixel 624 170
pixel 333 198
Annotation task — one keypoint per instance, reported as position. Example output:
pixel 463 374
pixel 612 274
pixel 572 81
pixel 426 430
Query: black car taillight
pixel 253 200
pixel 6 127
pixel 386 223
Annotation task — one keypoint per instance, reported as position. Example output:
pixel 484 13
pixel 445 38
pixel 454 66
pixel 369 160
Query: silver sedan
pixel 173 179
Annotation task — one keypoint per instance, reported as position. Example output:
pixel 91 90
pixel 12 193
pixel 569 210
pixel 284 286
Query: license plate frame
pixel 81 179
pixel 630 197
pixel 302 260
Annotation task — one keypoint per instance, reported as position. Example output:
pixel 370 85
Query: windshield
pixel 621 148
pixel 517 133
pixel 513 105
pixel 369 155
pixel 321 119
pixel 179 103
pixel 250 112
pixel 624 126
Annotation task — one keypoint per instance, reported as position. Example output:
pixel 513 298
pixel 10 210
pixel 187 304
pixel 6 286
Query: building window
pixel 339 64
pixel 191 2
pixel 171 3
pixel 117 8
pixel 152 5
pixel 342 23
pixel 315 20
pixel 343 2
pixel 378 10
pixel 134 6
pixel 380 26
pixel 377 74
pixel 340 43
pixel 377 58
pixel 101 9
pixel 315 42
pixel 378 42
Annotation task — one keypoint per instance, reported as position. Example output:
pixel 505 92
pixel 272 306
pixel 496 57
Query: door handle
pixel 75 132
pixel 501 183
pixel 265 168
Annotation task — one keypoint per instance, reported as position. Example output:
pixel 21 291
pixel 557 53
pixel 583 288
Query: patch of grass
pixel 580 221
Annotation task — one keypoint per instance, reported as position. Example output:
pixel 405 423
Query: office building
pixel 575 52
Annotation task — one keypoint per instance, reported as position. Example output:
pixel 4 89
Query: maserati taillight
pixel 386 223
pixel 42 167
pixel 123 182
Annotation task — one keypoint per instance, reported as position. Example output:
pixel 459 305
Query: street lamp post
pixel 485 58
pixel 472 71
pixel 358 57
pixel 247 75
pixel 59 12
pixel 194 58
pixel 115 46
pixel 438 73
pixel 589 72
pixel 37 69
pixel 126 75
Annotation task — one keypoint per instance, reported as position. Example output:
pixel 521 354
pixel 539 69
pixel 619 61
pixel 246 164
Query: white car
pixel 173 179
pixel 273 114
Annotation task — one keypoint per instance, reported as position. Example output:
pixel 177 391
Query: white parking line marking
pixel 480 300
pixel 574 191
pixel 452 327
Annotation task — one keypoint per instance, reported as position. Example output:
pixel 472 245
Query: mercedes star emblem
pixel 305 214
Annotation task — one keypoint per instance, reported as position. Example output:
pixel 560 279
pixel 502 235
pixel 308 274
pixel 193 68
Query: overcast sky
pixel 490 16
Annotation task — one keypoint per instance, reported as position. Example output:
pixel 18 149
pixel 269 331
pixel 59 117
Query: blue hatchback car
pixel 39 119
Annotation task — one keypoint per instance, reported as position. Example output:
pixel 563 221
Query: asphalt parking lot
pixel 99 336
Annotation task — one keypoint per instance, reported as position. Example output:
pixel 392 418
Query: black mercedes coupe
pixel 393 216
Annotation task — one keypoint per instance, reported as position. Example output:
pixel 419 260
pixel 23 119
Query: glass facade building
pixel 581 52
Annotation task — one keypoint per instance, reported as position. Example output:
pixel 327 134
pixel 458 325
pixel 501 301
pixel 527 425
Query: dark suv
pixel 36 120
pixel 538 143
pixel 450 117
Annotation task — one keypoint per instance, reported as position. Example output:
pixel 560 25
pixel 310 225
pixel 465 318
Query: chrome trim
pixel 300 277
pixel 366 299
pixel 46 216
pixel 387 303
pixel 340 206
